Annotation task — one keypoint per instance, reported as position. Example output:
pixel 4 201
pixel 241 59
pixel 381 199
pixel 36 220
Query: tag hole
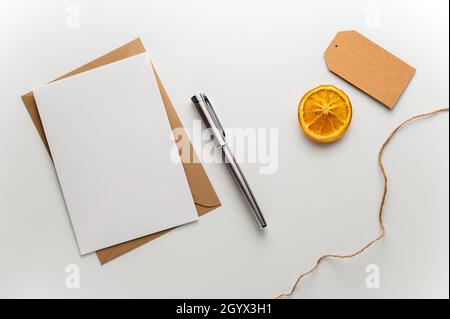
pixel 336 46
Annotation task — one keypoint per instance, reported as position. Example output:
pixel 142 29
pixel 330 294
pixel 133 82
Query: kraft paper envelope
pixel 205 198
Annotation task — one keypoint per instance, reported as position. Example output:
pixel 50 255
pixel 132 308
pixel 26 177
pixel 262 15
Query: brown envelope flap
pixel 107 254
pixel 200 184
pixel 203 193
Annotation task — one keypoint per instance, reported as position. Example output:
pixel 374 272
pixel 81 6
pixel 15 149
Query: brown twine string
pixel 380 211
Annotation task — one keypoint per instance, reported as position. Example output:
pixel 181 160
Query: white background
pixel 255 59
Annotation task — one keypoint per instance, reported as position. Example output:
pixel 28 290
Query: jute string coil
pixel 382 233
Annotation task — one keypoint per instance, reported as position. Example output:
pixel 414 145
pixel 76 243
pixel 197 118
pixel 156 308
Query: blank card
pixel 110 140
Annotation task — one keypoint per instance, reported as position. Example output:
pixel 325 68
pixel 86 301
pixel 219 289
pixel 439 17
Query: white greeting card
pixel 110 141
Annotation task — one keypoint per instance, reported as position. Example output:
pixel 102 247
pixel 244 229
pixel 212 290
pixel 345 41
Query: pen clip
pixel 212 113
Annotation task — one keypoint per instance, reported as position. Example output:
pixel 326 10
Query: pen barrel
pixel 212 122
pixel 243 185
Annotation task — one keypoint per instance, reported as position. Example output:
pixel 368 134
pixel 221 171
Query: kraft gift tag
pixel 368 66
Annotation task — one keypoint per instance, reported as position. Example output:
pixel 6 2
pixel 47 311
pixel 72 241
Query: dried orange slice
pixel 325 114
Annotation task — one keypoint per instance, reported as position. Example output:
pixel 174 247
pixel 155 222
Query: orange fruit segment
pixel 325 113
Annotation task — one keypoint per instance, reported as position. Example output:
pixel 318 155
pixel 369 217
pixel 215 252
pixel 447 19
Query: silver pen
pixel 212 122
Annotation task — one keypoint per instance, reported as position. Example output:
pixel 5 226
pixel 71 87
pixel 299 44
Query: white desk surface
pixel 255 59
